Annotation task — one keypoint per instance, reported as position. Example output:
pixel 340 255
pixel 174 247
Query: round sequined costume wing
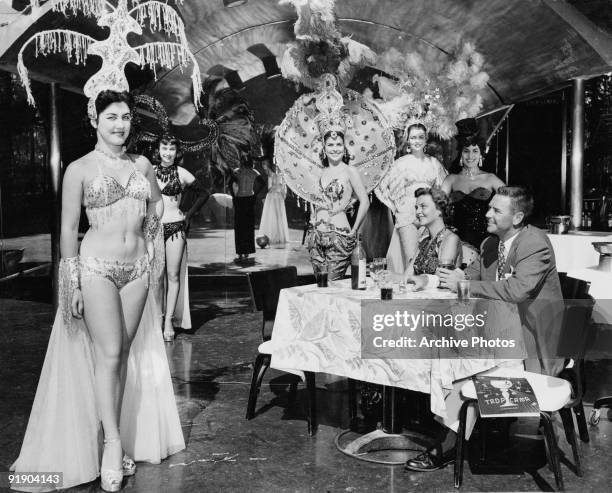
pixel 298 144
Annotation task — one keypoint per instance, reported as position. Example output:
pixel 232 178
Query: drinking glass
pixel 375 267
pixel 382 261
pixel 463 290
pixel 386 285
pixel 446 263
pixel 321 274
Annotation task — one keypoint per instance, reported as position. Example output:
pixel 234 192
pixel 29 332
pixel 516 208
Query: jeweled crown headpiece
pixel 115 51
pixel 329 104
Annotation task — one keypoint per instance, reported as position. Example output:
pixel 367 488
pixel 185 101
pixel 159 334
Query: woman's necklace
pixel 164 173
pixel 471 174
pixel 114 161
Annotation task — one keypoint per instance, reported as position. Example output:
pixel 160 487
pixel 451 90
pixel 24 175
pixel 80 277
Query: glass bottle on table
pixel 358 266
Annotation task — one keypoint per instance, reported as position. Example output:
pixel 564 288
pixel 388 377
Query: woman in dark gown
pixel 469 187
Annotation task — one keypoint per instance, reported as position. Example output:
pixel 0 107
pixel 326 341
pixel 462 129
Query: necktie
pixel 501 260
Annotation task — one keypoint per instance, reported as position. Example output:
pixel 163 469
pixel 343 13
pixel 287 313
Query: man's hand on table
pixel 421 282
pixel 449 278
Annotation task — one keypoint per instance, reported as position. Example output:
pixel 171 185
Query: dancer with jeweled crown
pixel 105 363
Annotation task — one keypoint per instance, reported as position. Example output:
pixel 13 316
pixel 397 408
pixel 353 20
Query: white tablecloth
pixel 319 330
pixel 576 251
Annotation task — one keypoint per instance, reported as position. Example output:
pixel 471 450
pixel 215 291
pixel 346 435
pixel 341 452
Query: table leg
pixel 391 421
pixel 387 445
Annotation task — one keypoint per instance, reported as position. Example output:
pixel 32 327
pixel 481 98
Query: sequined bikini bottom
pixel 174 230
pixel 119 273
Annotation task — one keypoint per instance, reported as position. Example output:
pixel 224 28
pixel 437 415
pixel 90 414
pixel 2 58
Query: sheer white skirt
pixel 273 222
pixel 64 431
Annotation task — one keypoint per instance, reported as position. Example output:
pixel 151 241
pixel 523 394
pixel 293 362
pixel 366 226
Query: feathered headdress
pixel 234 120
pixel 329 102
pixel 319 47
pixel 146 132
pixel 115 50
pixel 435 92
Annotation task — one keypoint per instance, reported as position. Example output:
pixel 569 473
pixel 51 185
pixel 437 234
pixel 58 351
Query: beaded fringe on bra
pixel 124 207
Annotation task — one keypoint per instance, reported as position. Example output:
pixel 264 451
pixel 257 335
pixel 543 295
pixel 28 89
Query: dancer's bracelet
pixel 151 226
pixel 69 282
pixel 70 272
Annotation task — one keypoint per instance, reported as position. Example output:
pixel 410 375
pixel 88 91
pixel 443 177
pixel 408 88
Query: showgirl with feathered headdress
pixel 106 363
pixel 423 96
pixel 333 146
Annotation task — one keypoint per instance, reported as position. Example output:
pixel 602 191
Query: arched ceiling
pixel 530 46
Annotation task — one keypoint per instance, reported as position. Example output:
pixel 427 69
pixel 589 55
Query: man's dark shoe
pixel 427 461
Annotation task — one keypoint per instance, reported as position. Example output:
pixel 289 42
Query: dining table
pixel 319 329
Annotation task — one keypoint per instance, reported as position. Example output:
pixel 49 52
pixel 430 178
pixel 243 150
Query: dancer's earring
pixel 480 162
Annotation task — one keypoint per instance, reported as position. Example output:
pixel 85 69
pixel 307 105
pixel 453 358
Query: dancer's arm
pixel 72 196
pixel 188 180
pixel 362 196
pixel 155 207
pixel 447 184
pixel 440 171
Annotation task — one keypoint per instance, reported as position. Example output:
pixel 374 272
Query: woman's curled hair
pixel 168 139
pixel 440 199
pixel 107 97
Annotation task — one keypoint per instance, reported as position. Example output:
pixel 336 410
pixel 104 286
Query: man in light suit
pixel 517 265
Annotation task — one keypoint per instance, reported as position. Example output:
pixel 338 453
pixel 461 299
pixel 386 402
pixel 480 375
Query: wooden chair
pixel 554 394
pixel 265 287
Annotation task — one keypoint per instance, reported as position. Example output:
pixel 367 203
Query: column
pixel 55 171
pixel 577 158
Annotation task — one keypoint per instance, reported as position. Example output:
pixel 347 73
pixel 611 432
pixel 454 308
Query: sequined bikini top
pixel 105 197
pixel 336 192
pixel 170 177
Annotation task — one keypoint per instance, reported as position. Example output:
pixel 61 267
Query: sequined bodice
pixel 337 192
pixel 469 211
pixel 104 196
pixel 170 178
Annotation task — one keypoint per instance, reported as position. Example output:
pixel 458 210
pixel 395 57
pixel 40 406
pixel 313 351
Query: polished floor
pixel 211 368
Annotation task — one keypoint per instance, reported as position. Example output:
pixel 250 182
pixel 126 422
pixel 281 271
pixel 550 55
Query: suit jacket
pixel 532 282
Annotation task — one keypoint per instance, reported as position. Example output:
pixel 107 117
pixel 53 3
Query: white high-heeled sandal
pixel 110 479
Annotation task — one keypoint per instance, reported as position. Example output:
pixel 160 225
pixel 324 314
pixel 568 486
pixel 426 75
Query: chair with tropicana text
pixel 554 394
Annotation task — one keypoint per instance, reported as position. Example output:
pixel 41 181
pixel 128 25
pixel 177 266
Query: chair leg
pixel 570 435
pixel 312 402
pixel 262 363
pixel 484 425
pixel 459 448
pixel 352 400
pixel 293 392
pixel 583 429
pixel 553 451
